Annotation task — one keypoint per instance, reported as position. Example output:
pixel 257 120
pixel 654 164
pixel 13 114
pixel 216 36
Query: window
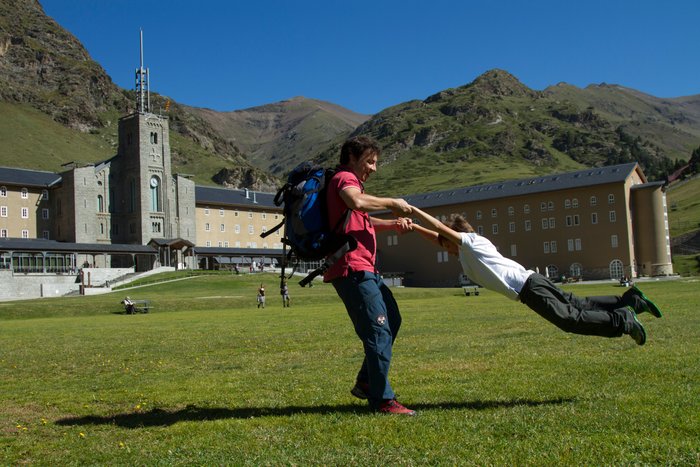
pixel 494 212
pixel 577 242
pixel 594 218
pixel 611 199
pixel 263 230
pixel 545 223
pixel 511 227
pixel 3 192
pixel 511 211
pixel 543 206
pixel 569 221
pixel 478 215
pixel 225 244
pixel 208 242
pixel 567 203
pixel 220 244
pixel 100 203
pixel 155 194
pixel 206 211
pixel 237 229
pixel 264 215
pixel 44 213
pixel 526 209
pixel 553 246
pixel 528 226
pixel 612 216
pixel 616 269
pixel 25 193
pixel 442 256
pixel 25 213
pixel 221 212
pixel 494 229
pixel 25 233
pixel 575 270
pixel 235 213
pixel 480 230
pixel 207 227
pixel 613 241
pixel 3 211
pixel 574 203
pixel 250 229
pixel 550 206
pixel 392 240
pixel 222 227
pixel 44 195
pixel 545 246
pixel 594 201
pixel 250 214
pixel 3 233
pixel 551 222
pixel 577 219
pixel 513 250
pixel 570 244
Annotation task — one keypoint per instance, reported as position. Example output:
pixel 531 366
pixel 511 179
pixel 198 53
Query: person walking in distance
pixel 369 302
pixel 261 296
pixel 284 291
pixel 605 316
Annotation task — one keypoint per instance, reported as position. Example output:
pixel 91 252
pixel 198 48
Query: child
pixel 607 316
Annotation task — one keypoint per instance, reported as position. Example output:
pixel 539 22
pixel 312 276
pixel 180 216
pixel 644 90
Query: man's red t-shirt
pixel 358 225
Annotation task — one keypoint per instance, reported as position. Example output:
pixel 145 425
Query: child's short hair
pixel 460 224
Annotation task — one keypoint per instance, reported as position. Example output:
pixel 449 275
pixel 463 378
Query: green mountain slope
pixel 278 136
pixel 496 128
pixel 44 67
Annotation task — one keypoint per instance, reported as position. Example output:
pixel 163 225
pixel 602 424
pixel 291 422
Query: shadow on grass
pixel 160 417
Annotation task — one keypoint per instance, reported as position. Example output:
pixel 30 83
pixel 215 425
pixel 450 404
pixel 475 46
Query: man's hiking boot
pixel 644 303
pixel 637 331
pixel 392 406
pixel 360 390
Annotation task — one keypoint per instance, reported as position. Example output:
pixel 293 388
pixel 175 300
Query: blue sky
pixel 369 55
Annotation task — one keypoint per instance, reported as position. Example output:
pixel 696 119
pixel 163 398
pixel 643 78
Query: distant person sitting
pixel 129 306
pixel 606 316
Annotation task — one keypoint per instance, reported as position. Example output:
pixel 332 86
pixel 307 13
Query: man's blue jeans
pixel 375 315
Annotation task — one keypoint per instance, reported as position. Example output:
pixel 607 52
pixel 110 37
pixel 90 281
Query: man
pixel 605 316
pixel 369 302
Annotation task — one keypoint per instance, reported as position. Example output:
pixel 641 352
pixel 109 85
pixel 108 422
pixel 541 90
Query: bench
pixel 470 290
pixel 137 306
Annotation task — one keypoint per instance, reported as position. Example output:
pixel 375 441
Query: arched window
pixel 575 270
pixel 155 194
pixel 100 204
pixel 552 271
pixel 616 269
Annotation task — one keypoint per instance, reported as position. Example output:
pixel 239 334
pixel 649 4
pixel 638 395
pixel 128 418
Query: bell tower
pixel 148 190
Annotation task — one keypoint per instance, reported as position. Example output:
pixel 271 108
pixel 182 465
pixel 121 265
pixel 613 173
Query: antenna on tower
pixel 143 94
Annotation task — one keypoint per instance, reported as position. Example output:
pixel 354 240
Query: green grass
pixel 207 378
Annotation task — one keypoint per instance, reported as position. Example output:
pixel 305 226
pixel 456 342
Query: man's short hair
pixel 356 147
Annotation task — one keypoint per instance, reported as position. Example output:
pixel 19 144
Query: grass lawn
pixel 207 378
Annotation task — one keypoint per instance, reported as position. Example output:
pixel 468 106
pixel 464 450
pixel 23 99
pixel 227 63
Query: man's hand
pixel 404 224
pixel 401 207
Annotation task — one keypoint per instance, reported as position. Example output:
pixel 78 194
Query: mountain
pixel 496 128
pixel 278 136
pixel 43 67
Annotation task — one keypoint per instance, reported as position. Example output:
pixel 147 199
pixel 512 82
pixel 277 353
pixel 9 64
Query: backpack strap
pixel 349 245
pixel 274 229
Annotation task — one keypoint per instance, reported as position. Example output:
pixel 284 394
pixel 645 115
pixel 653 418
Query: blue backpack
pixel 306 230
